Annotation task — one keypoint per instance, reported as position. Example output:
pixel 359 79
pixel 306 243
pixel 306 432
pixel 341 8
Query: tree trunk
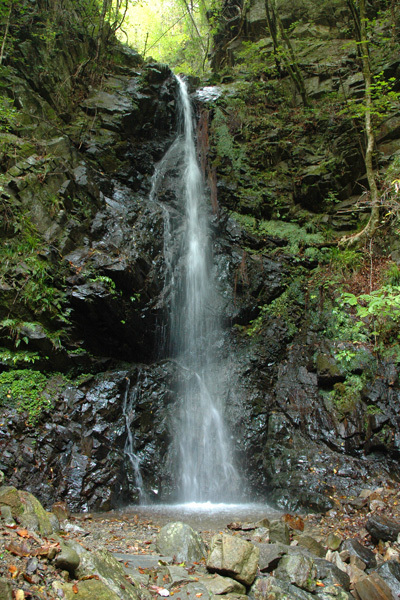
pixel 291 65
pixel 373 222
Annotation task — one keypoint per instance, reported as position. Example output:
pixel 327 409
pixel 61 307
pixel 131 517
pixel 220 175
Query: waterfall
pixel 128 410
pixel 202 456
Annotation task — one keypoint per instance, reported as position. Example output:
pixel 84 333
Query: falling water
pixel 128 410
pixel 202 453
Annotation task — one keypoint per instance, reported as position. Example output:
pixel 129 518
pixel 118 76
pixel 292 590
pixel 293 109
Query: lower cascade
pixel 201 454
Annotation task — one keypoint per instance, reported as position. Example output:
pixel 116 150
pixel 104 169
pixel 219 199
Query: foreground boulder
pixel 27 511
pixel 233 557
pixel 181 541
pixel 382 528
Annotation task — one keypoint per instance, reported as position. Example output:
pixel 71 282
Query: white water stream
pixel 202 456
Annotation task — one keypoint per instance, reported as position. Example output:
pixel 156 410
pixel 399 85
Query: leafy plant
pixel 8 357
pixel 297 236
pixel 379 313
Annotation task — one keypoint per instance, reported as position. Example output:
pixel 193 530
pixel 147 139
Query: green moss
pixel 347 395
pixel 24 389
pixel 287 307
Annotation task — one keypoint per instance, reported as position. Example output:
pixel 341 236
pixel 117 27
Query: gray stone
pixel 389 571
pixel 354 548
pixel 299 570
pixel 270 555
pixel 266 588
pixel 279 532
pixel 181 541
pixel 382 528
pixel 330 574
pixel 6 515
pixel 91 589
pixel 312 545
pixel 68 559
pixel 333 592
pixel 222 585
pixel 373 587
pixel 103 564
pixel 234 557
pixel 193 591
pixel 5 589
pixel 333 541
pixel 178 575
pixel 26 510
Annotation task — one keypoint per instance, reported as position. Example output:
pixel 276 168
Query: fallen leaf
pixel 17 550
pixel 13 570
pixel 19 595
pixel 294 521
pixel 23 533
pixel 198 595
pixel 320 584
pixel 75 588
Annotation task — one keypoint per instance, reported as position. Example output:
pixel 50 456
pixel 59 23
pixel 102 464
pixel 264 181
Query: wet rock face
pixel 78 453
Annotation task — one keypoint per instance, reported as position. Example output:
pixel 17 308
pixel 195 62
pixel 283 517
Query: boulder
pixel 109 571
pixel 382 528
pixel 354 548
pixel 91 589
pixel 68 559
pixel 5 589
pixel 299 570
pixel 195 590
pixel 312 545
pixel 234 557
pixel 333 541
pixel 330 574
pixel 271 587
pixel 373 587
pixel 218 585
pixel 279 532
pixel 389 571
pixel 180 540
pixel 28 511
pixel 270 555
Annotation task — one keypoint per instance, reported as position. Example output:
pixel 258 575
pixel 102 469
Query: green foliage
pixel 8 114
pixel 10 358
pixel 106 282
pixel 226 147
pixel 345 260
pixel 345 396
pixel 391 275
pixel 24 389
pixel 251 60
pixel 379 314
pixel 28 274
pixel 297 236
pixel 384 99
pixel 286 307
pixel 169 32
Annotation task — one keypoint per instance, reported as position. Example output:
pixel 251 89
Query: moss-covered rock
pixel 28 511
